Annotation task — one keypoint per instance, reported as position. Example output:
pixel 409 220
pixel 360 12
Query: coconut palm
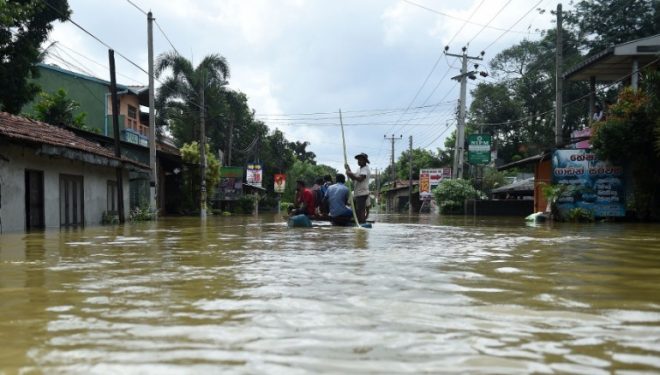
pixel 182 95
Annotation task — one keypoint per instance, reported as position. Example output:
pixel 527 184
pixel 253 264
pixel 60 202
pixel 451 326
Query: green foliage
pixel 493 179
pixel 602 23
pixel 190 156
pixel 57 109
pixel 307 172
pixel 451 194
pixel 140 214
pixel 109 218
pixel 284 206
pixel 627 138
pixel 244 205
pixel 24 26
pixel 580 215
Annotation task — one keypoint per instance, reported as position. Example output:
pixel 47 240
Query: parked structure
pixel 50 177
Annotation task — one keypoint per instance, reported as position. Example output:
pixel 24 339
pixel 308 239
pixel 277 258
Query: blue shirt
pixel 337 196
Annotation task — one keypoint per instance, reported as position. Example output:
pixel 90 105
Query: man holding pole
pixel 361 190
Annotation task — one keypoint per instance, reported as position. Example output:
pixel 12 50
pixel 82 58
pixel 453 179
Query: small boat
pixel 304 221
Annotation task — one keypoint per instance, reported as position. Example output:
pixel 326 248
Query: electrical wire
pixel 514 24
pixel 457 18
pixel 491 20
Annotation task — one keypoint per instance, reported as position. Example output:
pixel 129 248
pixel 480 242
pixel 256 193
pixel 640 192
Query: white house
pixel 52 178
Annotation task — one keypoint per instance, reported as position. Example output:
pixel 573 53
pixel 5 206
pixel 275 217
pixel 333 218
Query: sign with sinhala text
pixel 435 175
pixel 253 175
pixel 479 149
pixel 231 183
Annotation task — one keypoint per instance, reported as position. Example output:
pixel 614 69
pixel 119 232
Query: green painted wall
pixel 89 94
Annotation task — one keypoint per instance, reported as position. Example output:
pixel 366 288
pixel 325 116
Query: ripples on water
pixel 248 295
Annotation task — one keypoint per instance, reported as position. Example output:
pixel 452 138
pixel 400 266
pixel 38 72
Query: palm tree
pixel 184 92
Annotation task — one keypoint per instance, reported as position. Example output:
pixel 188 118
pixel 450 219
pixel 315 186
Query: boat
pixel 304 221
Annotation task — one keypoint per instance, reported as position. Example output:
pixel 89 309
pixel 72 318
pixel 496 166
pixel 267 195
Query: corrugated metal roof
pixel 36 132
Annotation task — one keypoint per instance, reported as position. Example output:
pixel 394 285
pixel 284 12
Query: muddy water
pixel 411 295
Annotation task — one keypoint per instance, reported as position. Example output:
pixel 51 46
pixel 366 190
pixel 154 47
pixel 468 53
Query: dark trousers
pixel 361 208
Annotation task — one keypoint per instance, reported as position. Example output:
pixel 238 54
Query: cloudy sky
pixel 300 61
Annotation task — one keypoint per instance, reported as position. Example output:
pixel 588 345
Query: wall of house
pixel 12 187
pixel 89 94
pixel 542 175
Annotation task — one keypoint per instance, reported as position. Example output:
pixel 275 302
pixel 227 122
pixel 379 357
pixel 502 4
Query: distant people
pixel 337 200
pixel 304 200
pixel 361 190
pixel 599 114
pixel 318 194
pixel 324 208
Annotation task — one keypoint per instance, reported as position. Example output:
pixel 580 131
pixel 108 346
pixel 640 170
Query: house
pixel 94 97
pixel 51 178
pixel 396 197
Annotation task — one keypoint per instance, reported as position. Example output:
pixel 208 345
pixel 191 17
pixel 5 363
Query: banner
pixel 424 186
pixel 435 175
pixel 593 184
pixel 479 149
pixel 231 183
pixel 280 182
pixel 254 174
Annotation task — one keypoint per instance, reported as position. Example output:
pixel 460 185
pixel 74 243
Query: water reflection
pixel 413 294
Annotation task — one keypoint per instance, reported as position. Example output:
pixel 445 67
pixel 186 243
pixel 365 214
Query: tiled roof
pixel 37 132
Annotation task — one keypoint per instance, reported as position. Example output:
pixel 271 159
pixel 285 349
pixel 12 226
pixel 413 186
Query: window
pixel 111 205
pixel 132 112
pixel 71 201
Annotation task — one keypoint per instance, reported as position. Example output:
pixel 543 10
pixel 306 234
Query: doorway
pixel 34 199
pixel 71 201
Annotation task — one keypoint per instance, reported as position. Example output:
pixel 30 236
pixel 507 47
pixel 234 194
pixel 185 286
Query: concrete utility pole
pixel 559 88
pixel 115 126
pixel 152 118
pixel 202 151
pixel 459 152
pixel 410 179
pixel 393 139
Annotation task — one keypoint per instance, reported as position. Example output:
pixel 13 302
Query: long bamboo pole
pixel 350 187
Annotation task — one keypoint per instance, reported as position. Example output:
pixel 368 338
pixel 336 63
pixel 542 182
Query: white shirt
pixel 362 187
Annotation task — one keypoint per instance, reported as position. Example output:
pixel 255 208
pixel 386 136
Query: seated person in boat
pixel 304 200
pixel 337 199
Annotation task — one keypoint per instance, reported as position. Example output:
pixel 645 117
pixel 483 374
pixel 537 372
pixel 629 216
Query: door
pixel 34 199
pixel 71 201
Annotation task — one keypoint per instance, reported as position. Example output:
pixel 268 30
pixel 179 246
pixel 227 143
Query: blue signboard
pixel 594 184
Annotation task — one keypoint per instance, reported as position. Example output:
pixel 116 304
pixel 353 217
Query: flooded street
pixel 412 295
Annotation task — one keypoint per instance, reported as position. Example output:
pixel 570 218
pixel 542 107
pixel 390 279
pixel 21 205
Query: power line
pixel 491 20
pixel 514 24
pixel 460 19
pixel 466 22
pixel 137 7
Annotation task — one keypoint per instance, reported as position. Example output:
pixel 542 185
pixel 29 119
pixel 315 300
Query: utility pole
pixel 410 180
pixel 559 103
pixel 202 151
pixel 115 126
pixel 393 139
pixel 152 118
pixel 460 126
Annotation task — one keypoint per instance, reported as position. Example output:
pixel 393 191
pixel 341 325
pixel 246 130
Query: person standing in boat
pixel 361 190
pixel 305 200
pixel 336 199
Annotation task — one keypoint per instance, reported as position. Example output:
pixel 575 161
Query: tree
pixel 306 171
pixel 451 194
pixel 184 92
pixel 626 138
pixel 24 25
pixel 421 158
pixel 602 23
pixel 58 109
pixel 190 155
pixel 300 151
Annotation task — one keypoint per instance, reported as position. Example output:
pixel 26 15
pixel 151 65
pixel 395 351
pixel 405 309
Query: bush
pixel 451 194
pixel 244 205
pixel 580 215
pixel 140 214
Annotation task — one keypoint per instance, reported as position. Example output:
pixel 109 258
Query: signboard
pixel 280 182
pixel 424 185
pixel 231 183
pixel 595 185
pixel 254 174
pixel 479 149
pixel 435 175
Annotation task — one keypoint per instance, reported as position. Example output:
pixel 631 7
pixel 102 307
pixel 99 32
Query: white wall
pixel 12 187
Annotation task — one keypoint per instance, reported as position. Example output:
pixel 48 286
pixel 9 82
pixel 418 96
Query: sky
pixel 300 62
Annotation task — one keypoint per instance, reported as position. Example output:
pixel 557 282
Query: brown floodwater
pixel 420 294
